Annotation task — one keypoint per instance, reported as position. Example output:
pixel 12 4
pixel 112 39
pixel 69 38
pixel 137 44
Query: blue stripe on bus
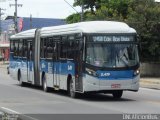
pixel 115 75
pixel 58 67
pixel 21 64
pixel 69 68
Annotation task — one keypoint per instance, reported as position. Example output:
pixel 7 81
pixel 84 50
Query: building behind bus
pixel 24 23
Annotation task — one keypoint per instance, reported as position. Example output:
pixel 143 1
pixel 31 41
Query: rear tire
pixel 44 82
pixel 8 70
pixel 117 94
pixel 21 83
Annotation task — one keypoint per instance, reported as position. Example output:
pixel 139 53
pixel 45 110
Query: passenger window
pixel 25 48
pixel 20 48
pixel 12 45
pixel 50 48
pixel 16 49
pixel 45 48
pixel 42 48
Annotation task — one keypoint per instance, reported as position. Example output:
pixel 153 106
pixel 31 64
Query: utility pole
pixel 30 21
pixel 1 20
pixel 82 14
pixel 82 9
pixel 15 14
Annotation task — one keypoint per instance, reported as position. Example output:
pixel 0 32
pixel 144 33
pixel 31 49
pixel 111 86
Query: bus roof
pixel 88 27
pixel 84 27
pixel 25 34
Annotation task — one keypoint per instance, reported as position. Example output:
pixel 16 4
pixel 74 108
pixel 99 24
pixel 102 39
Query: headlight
pixel 136 72
pixel 91 72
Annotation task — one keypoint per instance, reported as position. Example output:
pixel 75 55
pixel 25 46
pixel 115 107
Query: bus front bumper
pixel 93 84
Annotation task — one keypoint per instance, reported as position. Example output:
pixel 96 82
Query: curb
pixel 152 83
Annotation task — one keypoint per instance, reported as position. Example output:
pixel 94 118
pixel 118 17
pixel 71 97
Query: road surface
pixel 32 100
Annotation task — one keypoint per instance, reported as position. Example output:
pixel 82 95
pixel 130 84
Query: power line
pixel 82 7
pixel 71 6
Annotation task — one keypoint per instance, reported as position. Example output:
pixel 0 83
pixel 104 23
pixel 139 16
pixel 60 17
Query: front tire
pixel 117 94
pixel 71 90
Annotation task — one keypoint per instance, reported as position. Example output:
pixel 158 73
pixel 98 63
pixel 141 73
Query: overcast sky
pixel 40 8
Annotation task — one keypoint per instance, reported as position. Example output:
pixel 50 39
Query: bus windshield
pixel 112 55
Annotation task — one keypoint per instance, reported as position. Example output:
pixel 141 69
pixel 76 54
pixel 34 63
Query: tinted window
pixel 49 48
pixel 21 48
pixel 16 48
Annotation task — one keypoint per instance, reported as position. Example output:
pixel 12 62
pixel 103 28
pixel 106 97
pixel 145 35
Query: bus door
pixel 29 61
pixel 56 65
pixel 79 66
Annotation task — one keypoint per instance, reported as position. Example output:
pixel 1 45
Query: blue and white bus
pixel 94 56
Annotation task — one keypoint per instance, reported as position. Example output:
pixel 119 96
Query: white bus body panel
pixel 93 84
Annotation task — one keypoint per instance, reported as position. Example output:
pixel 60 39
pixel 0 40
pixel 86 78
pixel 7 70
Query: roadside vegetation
pixel 143 15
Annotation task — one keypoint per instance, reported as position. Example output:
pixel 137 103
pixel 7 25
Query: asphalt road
pixel 32 100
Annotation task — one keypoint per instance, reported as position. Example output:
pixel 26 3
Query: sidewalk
pixel 4 64
pixel 153 83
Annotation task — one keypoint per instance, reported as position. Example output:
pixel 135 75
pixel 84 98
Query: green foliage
pixel 145 18
pixel 73 18
pixel 143 15
pixel 88 4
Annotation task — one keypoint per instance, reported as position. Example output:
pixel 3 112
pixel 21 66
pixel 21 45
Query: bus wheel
pixel 21 83
pixel 45 88
pixel 7 69
pixel 71 90
pixel 117 94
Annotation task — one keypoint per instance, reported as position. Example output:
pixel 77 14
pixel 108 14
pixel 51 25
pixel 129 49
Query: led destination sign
pixel 112 38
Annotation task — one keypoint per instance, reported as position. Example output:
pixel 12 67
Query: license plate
pixel 116 86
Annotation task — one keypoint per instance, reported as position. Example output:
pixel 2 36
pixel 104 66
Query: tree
pixel 104 9
pixel 143 15
pixel 88 4
pixel 73 18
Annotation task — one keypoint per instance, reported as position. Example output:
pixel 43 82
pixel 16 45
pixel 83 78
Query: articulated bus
pixel 93 56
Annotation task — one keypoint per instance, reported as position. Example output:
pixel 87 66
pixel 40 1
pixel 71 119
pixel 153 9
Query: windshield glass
pixel 112 55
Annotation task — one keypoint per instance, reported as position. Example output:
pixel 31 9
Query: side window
pixel 30 51
pixel 24 48
pixel 56 47
pixel 69 47
pixel 50 48
pixel 42 48
pixel 16 49
pixel 12 45
pixel 61 49
pixel 20 48
pixel 70 50
pixel 54 50
pixel 45 47
pixel 73 47
pixel 64 47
